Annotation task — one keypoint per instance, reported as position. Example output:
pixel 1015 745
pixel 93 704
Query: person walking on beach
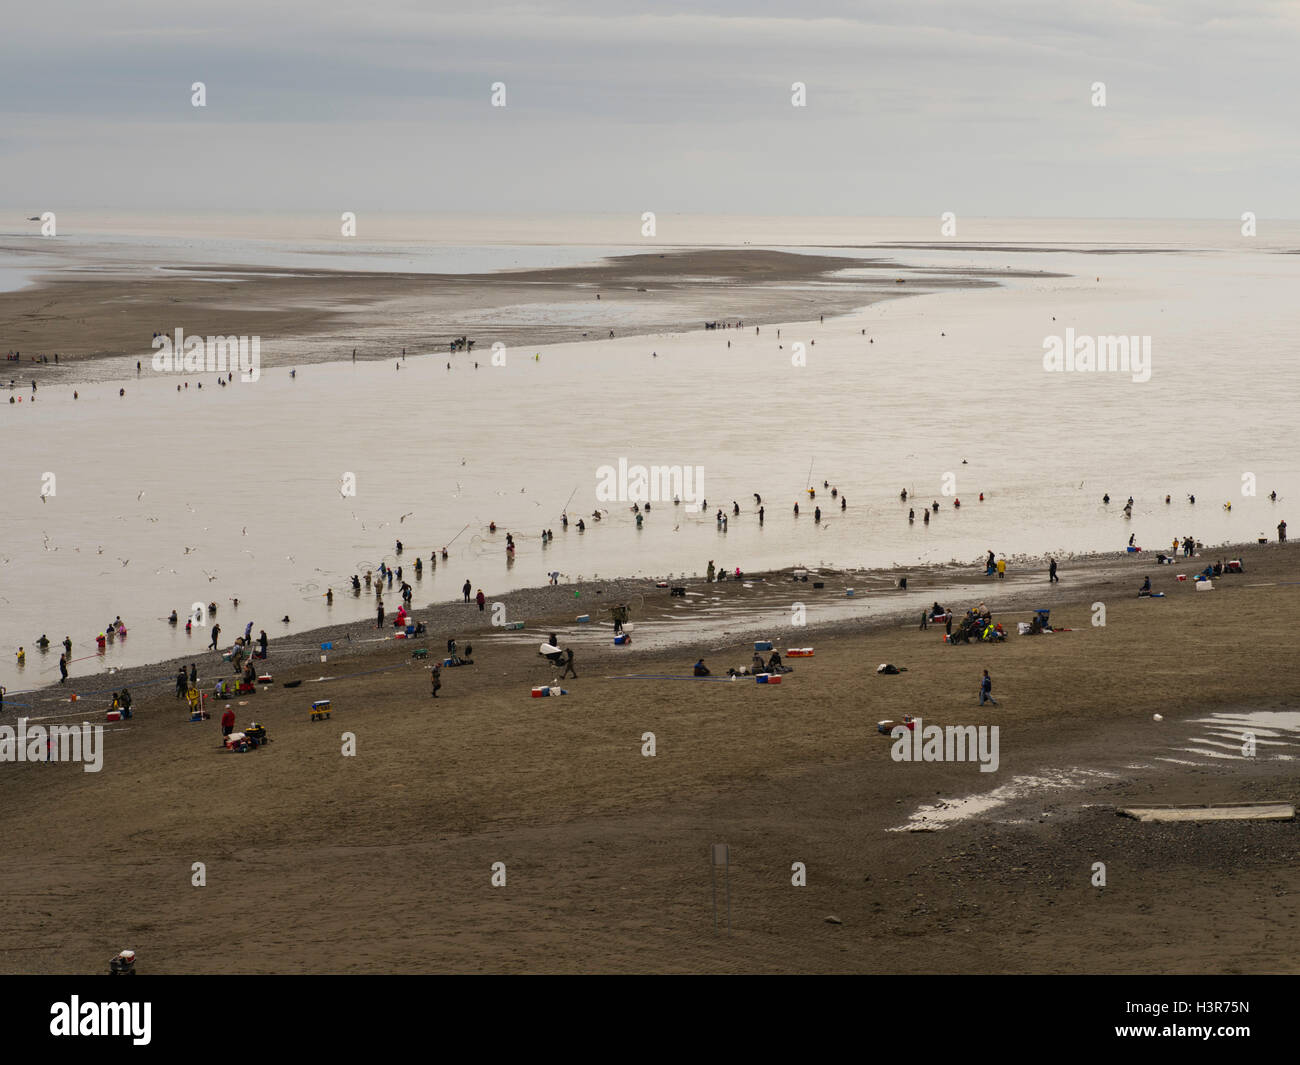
pixel 216 631
pixel 1281 532
pixel 568 665
pixel 986 689
pixel 1002 568
pixel 481 599
pixel 437 680
pixel 465 589
pixel 194 674
pixel 63 669
pixel 181 686
pixel 710 572
pixel 379 615
pixel 228 721
pixel 1052 578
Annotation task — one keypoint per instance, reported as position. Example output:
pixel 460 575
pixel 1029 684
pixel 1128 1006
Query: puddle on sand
pixel 935 816
pixel 1276 735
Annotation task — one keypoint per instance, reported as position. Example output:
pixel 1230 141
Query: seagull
pixel 140 496
pixel 210 576
pixel 189 549
pixel 245 532
pixel 405 516
pixel 125 562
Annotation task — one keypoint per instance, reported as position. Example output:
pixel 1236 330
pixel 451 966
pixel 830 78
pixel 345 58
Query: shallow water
pixel 248 477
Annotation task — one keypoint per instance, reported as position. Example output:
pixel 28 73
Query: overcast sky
pixel 913 108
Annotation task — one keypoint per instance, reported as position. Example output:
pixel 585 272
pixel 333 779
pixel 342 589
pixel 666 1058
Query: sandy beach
pixel 312 316
pixel 606 850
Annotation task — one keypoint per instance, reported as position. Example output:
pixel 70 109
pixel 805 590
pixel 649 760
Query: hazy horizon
pixel 623 107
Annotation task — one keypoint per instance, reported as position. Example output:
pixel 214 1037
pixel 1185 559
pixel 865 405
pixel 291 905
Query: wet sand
pixel 306 316
pixel 382 862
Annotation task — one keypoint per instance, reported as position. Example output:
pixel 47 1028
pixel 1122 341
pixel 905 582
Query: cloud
pixel 625 100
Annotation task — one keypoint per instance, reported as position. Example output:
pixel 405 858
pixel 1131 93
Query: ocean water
pixel 163 499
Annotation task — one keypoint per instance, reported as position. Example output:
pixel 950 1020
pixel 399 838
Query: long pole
pixel 713 866
pixel 727 877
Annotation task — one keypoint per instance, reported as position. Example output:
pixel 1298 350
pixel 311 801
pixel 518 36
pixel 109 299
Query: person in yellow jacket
pixel 1002 567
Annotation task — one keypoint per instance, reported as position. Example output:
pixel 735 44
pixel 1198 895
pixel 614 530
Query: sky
pixel 982 108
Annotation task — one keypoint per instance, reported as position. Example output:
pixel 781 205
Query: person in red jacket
pixel 228 722
pixel 480 599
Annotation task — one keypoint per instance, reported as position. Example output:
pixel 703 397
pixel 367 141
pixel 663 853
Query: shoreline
pixel 539 609
pixel 317 316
